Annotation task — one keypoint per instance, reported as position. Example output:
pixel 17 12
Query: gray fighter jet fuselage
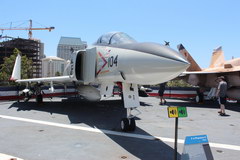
pixel 117 58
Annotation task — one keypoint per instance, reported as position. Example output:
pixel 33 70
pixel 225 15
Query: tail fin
pixel 217 58
pixel 16 74
pixel 194 66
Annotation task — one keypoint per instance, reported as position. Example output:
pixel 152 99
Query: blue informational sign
pixel 196 139
pixel 197 148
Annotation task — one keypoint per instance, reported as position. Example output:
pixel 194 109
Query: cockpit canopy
pixel 115 38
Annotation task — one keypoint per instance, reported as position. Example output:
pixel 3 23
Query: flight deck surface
pixel 77 130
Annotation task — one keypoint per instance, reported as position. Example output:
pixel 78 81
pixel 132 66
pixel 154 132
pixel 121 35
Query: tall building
pixel 53 66
pixel 41 51
pixel 33 49
pixel 66 43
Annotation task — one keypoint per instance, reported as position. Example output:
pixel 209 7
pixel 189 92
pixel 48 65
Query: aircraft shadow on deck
pixel 104 115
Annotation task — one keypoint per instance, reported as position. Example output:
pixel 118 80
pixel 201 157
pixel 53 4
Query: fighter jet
pixel 218 67
pixel 115 58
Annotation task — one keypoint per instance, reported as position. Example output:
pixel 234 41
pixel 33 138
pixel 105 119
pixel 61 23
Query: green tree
pixel 57 74
pixel 7 67
pixel 178 83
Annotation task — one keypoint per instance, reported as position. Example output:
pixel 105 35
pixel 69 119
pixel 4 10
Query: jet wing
pixel 199 72
pixel 16 75
pixel 214 71
pixel 196 73
pixel 48 79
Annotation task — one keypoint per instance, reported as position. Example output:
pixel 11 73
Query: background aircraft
pixel 218 67
pixel 115 58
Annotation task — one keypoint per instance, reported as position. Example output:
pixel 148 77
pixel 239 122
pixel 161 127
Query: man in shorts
pixel 161 93
pixel 222 94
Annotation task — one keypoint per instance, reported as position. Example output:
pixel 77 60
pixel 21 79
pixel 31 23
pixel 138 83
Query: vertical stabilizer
pixel 217 58
pixel 193 65
pixel 16 74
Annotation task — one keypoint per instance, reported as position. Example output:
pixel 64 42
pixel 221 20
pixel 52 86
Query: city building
pixel 53 66
pixel 66 43
pixel 33 49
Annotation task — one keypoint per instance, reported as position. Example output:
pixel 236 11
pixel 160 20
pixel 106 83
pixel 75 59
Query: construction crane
pixel 30 29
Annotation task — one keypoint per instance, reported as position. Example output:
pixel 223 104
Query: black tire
pixel 200 98
pixel 142 93
pixel 125 124
pixel 26 99
pixel 132 125
pixel 39 98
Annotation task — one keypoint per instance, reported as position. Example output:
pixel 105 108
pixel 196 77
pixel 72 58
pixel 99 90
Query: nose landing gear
pixel 131 102
pixel 128 124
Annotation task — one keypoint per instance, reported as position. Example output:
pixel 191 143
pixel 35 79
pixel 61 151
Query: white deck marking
pixel 132 135
pixel 8 157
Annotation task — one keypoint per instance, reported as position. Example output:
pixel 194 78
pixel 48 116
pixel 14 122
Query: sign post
pixel 176 138
pixel 175 112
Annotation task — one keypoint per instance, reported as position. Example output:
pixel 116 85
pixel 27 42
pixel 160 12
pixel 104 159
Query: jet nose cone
pixel 153 63
pixel 162 51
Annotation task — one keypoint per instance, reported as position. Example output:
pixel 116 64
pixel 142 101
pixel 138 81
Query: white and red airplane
pixel 116 58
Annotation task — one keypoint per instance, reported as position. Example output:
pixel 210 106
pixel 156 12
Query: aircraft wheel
pixel 132 125
pixel 39 98
pixel 197 99
pixel 125 124
pixel 26 99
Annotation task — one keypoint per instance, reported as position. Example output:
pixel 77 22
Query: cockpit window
pixel 115 38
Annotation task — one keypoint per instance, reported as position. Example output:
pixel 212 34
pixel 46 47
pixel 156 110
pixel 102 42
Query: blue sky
pixel 200 26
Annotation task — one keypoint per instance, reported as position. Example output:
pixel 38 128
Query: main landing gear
pixel 38 92
pixel 29 92
pixel 200 95
pixel 39 98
